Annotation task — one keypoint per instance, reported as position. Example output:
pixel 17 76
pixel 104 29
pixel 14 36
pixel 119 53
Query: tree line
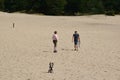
pixel 62 7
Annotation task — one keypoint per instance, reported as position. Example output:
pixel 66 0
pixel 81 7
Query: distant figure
pixel 51 64
pixel 55 40
pixel 13 25
pixel 76 39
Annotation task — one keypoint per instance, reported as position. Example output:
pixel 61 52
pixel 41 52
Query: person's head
pixel 55 32
pixel 75 32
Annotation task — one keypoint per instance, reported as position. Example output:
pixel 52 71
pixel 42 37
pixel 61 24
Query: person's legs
pixel 75 46
pixel 55 45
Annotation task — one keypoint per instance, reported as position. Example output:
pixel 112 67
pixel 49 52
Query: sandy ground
pixel 27 49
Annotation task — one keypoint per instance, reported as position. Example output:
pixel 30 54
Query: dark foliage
pixel 62 7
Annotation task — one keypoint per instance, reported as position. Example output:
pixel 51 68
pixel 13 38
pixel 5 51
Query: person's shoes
pixel 55 51
pixel 75 49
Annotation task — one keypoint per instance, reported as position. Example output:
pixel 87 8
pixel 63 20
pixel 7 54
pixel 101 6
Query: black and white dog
pixel 51 64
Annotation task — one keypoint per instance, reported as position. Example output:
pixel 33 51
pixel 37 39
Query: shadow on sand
pixel 63 49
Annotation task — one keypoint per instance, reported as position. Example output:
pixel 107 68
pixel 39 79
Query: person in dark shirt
pixel 76 39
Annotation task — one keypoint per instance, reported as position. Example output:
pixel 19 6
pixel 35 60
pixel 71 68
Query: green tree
pixel 53 7
pixel 12 5
pixel 72 6
pixel 2 5
pixel 31 5
pixel 112 5
pixel 92 6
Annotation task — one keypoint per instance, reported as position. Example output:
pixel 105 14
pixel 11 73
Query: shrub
pixel 110 13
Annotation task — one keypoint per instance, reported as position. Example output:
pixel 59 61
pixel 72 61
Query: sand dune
pixel 27 49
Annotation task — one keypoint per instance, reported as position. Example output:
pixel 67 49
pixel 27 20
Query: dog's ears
pixel 51 64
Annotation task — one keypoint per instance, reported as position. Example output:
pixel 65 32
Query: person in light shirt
pixel 55 40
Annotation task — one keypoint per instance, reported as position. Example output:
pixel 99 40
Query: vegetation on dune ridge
pixel 62 7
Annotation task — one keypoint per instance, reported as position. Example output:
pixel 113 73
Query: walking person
pixel 55 40
pixel 76 39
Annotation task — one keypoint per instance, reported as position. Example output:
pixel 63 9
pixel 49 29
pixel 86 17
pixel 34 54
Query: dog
pixel 51 64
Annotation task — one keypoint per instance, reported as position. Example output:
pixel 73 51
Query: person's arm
pixel 79 38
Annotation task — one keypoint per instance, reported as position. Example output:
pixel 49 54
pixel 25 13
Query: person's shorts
pixel 75 42
pixel 55 42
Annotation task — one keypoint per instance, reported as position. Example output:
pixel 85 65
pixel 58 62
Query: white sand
pixel 26 50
